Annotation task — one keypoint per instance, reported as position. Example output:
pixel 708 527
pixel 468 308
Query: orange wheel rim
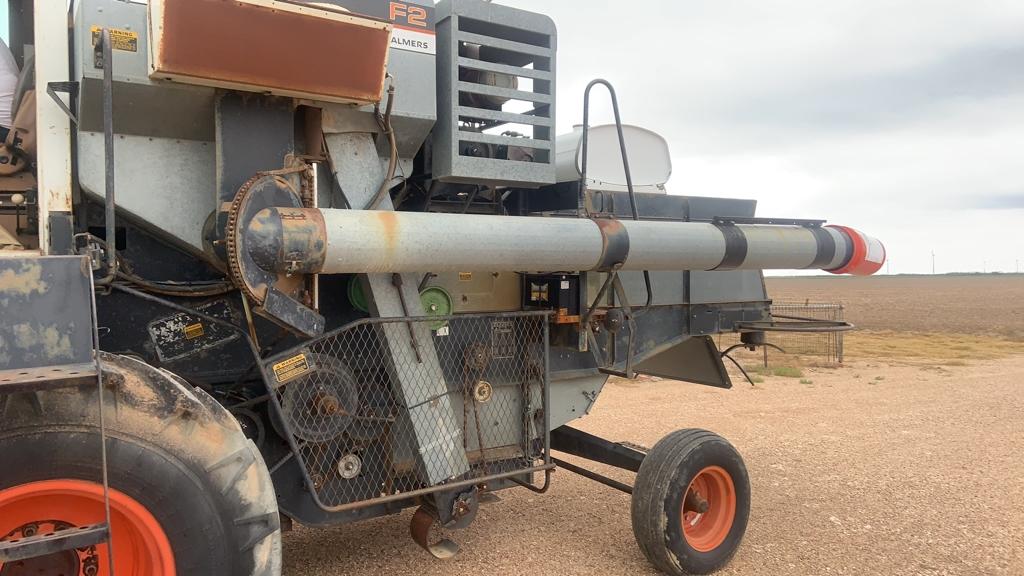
pixel 709 508
pixel 140 545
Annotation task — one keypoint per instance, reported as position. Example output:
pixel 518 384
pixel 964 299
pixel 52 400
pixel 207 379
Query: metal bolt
pixel 327 405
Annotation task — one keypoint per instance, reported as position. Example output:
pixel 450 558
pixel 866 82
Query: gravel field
pixel 903 468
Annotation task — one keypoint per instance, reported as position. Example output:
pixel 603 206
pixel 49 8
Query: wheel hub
pixel 81 562
pixel 709 509
pixel 142 546
pixel 65 562
pixel 323 403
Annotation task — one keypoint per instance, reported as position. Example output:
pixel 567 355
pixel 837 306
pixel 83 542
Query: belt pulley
pixel 282 297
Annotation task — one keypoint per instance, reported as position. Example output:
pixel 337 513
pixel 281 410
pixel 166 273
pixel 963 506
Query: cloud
pixel 995 202
pixel 871 100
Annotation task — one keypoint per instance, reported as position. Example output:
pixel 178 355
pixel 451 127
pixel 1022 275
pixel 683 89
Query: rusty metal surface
pixel 421 526
pixel 261 45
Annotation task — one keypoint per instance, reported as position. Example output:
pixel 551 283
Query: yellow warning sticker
pixel 193 331
pixel 465 276
pixel 124 40
pixel 291 368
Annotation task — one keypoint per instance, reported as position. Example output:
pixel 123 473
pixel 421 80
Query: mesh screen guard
pixel 335 400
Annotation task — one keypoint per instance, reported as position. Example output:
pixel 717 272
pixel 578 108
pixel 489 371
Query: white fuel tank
pixel 650 162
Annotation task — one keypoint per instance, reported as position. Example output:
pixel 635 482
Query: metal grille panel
pixel 496 95
pixel 338 404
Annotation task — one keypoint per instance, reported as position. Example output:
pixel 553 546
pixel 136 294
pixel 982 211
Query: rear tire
pixel 170 448
pixel 673 534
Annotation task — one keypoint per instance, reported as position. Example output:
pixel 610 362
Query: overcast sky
pixel 901 118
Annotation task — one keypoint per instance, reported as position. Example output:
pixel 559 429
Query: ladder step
pixel 43 544
pixel 65 376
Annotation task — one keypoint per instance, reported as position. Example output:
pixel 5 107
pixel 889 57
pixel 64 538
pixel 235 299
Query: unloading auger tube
pixel 329 241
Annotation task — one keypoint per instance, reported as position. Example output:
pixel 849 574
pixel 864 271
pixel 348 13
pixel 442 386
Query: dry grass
pixel 762 370
pixel 938 348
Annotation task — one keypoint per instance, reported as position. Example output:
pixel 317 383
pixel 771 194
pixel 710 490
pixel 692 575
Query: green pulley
pixel 437 302
pixel 355 295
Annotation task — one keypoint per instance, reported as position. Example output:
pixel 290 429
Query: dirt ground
pixel 896 464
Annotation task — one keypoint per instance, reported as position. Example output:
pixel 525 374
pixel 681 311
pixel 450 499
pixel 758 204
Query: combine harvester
pixel 270 261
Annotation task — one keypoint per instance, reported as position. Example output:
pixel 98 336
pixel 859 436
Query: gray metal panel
pixel 694 360
pixel 46 311
pixel 62 230
pixel 726 286
pixel 702 208
pixel 129 66
pixel 168 183
pixel 668 286
pixel 171 111
pixel 415 109
pixel 572 398
pixel 254 133
pixel 525 39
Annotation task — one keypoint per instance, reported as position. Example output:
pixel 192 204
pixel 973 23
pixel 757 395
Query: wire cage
pixel 826 345
pixel 386 407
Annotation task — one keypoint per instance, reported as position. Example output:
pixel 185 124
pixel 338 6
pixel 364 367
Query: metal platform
pixel 43 544
pixel 47 377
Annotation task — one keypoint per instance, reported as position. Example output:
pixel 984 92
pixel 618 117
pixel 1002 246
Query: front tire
pixel 691 503
pixel 190 494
